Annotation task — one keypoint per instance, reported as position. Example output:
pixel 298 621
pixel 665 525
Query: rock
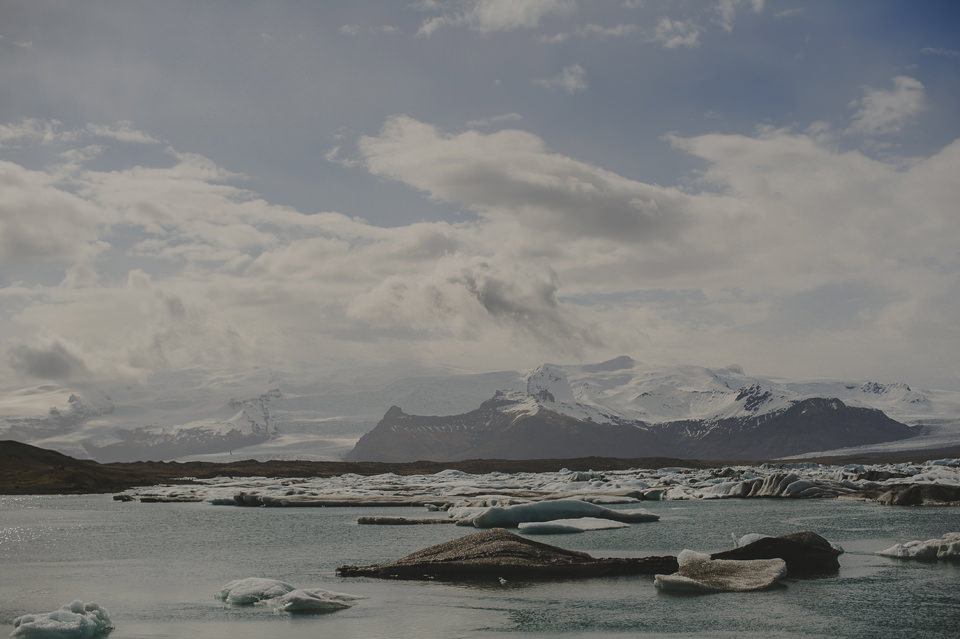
pixel 499 553
pixel 699 572
pixel 805 553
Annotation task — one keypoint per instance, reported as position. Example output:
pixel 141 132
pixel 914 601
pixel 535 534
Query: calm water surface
pixel 157 568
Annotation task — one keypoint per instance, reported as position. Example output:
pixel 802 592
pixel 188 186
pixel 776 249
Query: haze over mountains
pixel 620 407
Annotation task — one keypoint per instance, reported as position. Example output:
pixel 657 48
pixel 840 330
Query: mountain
pixel 200 415
pixel 623 409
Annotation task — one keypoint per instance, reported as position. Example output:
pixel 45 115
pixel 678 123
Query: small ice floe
pixel 244 592
pixel 513 516
pixel 313 601
pixel 699 573
pixel 284 597
pixel 75 620
pixel 945 548
pixel 567 526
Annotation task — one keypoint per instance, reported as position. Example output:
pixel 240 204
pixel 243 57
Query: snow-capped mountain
pixel 265 414
pixel 628 409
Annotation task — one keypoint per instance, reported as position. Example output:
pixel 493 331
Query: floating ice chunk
pixel 699 573
pixel 75 620
pixel 313 601
pixel 512 516
pixel 243 592
pixel 947 547
pixel 566 526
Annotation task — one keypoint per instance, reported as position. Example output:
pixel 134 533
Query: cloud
pixel 52 360
pixel 511 175
pixel 39 221
pixel 176 267
pixel 356 29
pixel 882 112
pixel 468 298
pixel 487 16
pixel 33 130
pixel 947 53
pixel 673 34
pixel 592 31
pixel 497 119
pixel 572 79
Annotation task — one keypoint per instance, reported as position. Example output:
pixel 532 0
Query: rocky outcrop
pixel 806 553
pixel 498 553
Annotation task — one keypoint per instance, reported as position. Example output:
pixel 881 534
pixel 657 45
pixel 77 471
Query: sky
pixel 476 185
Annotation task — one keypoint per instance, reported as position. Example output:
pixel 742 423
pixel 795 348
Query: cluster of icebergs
pixel 451 489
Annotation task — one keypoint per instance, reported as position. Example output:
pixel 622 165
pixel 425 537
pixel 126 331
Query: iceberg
pixel 75 620
pixel 513 516
pixel 567 526
pixel 313 601
pixel 945 548
pixel 243 592
pixel 699 573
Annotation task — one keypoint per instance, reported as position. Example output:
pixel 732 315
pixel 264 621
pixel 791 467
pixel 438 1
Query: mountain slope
pixel 623 409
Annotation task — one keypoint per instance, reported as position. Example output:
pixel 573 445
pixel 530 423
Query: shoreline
pixel 29 470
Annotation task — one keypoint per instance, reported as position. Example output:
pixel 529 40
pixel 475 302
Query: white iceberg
pixel 313 601
pixel 565 526
pixel 513 516
pixel 243 592
pixel 699 573
pixel 947 547
pixel 76 620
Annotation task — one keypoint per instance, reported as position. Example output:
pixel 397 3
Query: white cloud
pixel 176 268
pixel 947 53
pixel 488 16
pixel 497 119
pixel 511 175
pixel 882 112
pixel 592 31
pixel 571 79
pixel 356 29
pixel 673 34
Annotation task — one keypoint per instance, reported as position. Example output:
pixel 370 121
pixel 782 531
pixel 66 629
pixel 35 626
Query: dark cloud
pixel 54 361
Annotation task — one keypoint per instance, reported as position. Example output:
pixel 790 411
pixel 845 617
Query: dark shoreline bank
pixel 28 470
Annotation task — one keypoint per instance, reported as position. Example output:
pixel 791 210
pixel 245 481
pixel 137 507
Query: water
pixel 157 567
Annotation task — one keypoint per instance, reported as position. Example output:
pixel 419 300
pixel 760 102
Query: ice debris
pixel 699 573
pixel 313 601
pixel 75 620
pixel 945 548
pixel 243 592
pixel 566 526
pixel 283 596
pixel 513 516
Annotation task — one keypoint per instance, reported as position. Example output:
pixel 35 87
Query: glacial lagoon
pixel 157 568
